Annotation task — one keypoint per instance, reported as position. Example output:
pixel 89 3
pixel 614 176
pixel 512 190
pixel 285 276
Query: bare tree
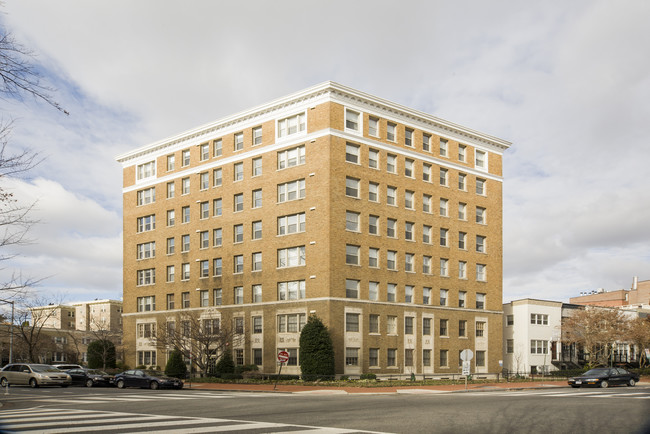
pixel 201 338
pixel 31 330
pixel 595 329
pixel 639 334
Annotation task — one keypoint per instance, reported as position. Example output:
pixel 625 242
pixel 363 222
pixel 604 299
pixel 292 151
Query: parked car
pixel 144 378
pixel 90 377
pixel 67 367
pixel 34 375
pixel 605 377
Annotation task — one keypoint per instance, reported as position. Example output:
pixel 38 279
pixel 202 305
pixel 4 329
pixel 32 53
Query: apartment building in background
pixel 638 296
pixel 383 221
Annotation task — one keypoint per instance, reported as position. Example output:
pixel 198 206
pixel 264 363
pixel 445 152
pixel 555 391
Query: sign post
pixel 466 356
pixel 283 357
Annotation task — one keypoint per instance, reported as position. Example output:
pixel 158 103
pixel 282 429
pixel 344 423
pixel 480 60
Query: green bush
pixel 231 376
pixel 316 351
pixel 225 365
pixel 175 365
pixel 101 354
pixel 368 377
pixel 245 368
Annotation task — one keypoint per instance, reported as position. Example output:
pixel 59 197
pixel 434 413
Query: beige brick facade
pixel 325 172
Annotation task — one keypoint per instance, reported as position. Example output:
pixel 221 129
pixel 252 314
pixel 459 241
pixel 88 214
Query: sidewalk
pixel 325 390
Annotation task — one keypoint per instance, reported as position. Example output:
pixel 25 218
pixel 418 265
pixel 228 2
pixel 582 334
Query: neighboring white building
pixel 531 335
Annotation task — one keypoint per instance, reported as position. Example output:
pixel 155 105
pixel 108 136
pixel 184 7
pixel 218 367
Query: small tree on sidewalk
pixel 316 350
pixel 175 365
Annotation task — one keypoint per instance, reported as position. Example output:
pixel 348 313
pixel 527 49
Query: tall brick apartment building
pixel 384 221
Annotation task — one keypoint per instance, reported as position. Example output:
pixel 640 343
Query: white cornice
pixel 327 91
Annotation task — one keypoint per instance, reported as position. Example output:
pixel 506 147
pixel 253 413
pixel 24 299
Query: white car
pixel 34 375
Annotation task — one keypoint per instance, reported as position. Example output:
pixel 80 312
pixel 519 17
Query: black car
pixel 90 377
pixel 143 378
pixel 605 377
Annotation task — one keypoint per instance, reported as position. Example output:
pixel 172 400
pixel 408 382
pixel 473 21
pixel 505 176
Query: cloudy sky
pixel 568 83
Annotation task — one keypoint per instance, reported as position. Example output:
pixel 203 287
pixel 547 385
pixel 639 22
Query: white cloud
pixel 567 83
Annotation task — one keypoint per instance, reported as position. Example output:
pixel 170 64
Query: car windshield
pixel 595 372
pixel 44 368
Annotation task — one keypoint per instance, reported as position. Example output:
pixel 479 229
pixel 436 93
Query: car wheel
pixel 33 383
pixel 89 383
pixel 631 382
pixel 154 385
pixel 604 384
pixel 4 382
pixel 120 384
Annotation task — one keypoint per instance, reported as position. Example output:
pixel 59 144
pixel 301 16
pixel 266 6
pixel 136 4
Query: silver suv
pixel 33 375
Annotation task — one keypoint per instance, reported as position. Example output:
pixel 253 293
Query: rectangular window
pixel 391 163
pixel 146 170
pixel 146 196
pixel 256 260
pixel 409 262
pixel 170 273
pixel 462 207
pixel 171 162
pixel 217 147
pixel 426 142
pixel 217 237
pixel 217 177
pixel 204 297
pixel 352 153
pixel 257 324
pixel 426 295
pixel 462 328
pixel 480 159
pixel 293 290
pixel 239 326
pixel 480 244
pixel 373 192
pixel 146 277
pixel 390 132
pixel 480 300
pixel 462 296
pixel 186 157
pixel 462 270
pixel 409 231
pixel 443 207
pixel 352 221
pixel 352 120
pixel 238 171
pixel 373 291
pixel 444 294
pixel 257 136
pixel 185 302
pixel 291 257
pixel 444 267
pixel 408 293
pixel 185 214
pixel 352 187
pixel 373 225
pixel 443 147
pixel 204 239
pixel 170 301
pixel 352 254
pixel 257 198
pixel 373 126
pixel 426 357
pixel 426 172
pixel 480 186
pixel 257 166
pixel 257 293
pixel 238 264
pixel 373 356
pixel 461 181
pixel 462 240
pixel 239 141
pixel 443 177
pixel 291 224
pixel 211 326
pixel 408 325
pixel 408 137
pixel 538 346
pixel 391 325
pixel 510 346
pixel 481 272
pixel 185 271
pixel 291 157
pixel 510 320
pixel 256 230
pixel 391 195
pixel 185 186
pixel 409 201
pixel 291 125
pixel 204 180
pixel 171 189
pixel 538 319
pixel 238 296
pixel 391 225
pixel 352 356
pixel 426 234
pixel 218 266
pixel 408 357
pixel 443 327
pixel 409 172
pixel 238 233
pixel 146 304
pixel 391 292
pixel 480 329
pixel 391 260
pixel 444 358
pixel 426 326
pixel 391 357
pixel 443 237
pixel 293 190
pixel 373 159
pixel 351 322
pixel 146 250
pixel 480 215
pixel 373 257
pixel 462 152
pixel 217 296
pixel 351 288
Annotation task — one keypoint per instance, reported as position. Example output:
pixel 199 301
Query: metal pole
pixel 11 335
pixel 278 377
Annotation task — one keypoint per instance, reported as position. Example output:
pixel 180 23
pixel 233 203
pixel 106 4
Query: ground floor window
pixel 373 357
pixel 147 358
pixel 391 359
pixel 408 357
pixel 426 357
pixel 352 357
pixel 293 356
pixel 239 356
pixel 257 356
pixel 480 358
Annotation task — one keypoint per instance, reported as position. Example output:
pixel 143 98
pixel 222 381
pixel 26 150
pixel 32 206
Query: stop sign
pixel 283 357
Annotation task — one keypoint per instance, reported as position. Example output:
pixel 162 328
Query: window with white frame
pixel 185 214
pixel 480 186
pixel 257 293
pixel 391 225
pixel 373 323
pixel 462 240
pixel 146 277
pixel 185 243
pixel 291 323
pixel 291 125
pixel 256 260
pixel 426 234
pixel 351 288
pixel 257 198
pixel 352 254
pixel 217 177
pixel 443 237
pixel 426 296
pixel 238 233
pixel 291 257
pixel 238 294
pixel 147 303
pixel 351 322
pixel 146 196
pixel 373 159
pixel 461 181
pixel 146 223
pixel 480 215
pixel 352 187
pixel 462 270
pixel 352 221
pixel 204 297
pixel 444 206
pixel 481 272
pixel 539 319
pixel 352 153
pixel 256 230
pixel 373 192
pixel 480 159
pixel 171 245
pixel 480 244
pixel 373 224
pixel 426 264
pixel 352 120
pixel 391 132
pixel 238 171
pixel 170 274
pixel 146 170
pixel 426 172
pixel 462 152
pixel 444 294
pixel 409 172
pixel 391 195
pixel 409 199
pixel 480 300
pixel 204 210
pixel 373 126
pixel 185 186
pixel 408 293
pixel 538 346
pixel 171 190
pixel 409 231
pixel 409 262
pixel 443 176
pixel 217 237
pixel 391 163
pixel 293 290
pixel 217 148
pixel 443 147
pixel 391 260
pixel 146 250
pixel 217 207
pixel 256 166
pixel 408 137
pixel 444 267
pixel 186 157
pixel 217 296
pixel 391 325
pixel 373 291
pixel 185 271
pixel 171 162
pixel 291 157
pixel 293 190
pixel 291 224
pixel 217 264
pixel 462 211
pixel 391 292
pixel 462 296
pixel 257 136
pixel 204 180
pixel 238 264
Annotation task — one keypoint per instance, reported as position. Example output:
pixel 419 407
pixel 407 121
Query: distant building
pixel 637 296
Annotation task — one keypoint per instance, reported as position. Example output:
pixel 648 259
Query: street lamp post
pixel 11 330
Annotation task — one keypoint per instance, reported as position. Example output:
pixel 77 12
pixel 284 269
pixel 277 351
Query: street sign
pixel 466 367
pixel 283 357
pixel 466 355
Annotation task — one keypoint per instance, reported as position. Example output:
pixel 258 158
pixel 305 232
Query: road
pixel 556 410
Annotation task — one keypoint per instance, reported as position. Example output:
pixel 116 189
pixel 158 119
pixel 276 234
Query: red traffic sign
pixel 283 357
